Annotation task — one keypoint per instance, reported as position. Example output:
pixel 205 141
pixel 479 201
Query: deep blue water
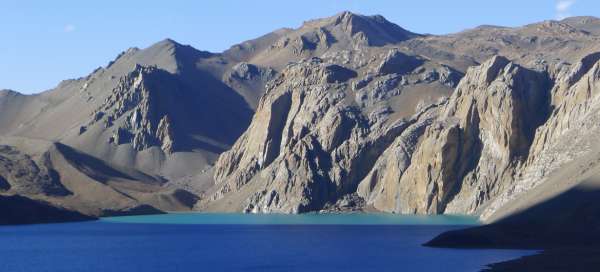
pixel 220 243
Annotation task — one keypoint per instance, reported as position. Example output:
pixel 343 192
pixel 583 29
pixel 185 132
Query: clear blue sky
pixel 43 42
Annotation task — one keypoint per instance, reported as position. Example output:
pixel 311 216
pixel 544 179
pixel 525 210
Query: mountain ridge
pixel 573 21
pixel 348 101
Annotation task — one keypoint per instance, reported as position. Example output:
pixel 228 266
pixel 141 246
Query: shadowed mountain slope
pixel 17 210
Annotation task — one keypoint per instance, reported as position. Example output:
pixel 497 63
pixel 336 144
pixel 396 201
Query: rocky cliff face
pixel 566 137
pixel 309 146
pixel 134 111
pixel 321 126
pixel 306 150
pixel 470 152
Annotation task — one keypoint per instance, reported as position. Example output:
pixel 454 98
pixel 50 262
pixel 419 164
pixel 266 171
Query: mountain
pixel 554 200
pixel 343 31
pixel 406 128
pixel 349 112
pixel 147 117
pixel 147 127
pixel 337 117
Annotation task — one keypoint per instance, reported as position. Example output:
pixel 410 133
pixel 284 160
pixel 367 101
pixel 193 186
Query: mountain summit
pixel 360 29
pixel 344 31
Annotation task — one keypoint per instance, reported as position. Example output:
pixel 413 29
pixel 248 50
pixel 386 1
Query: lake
pixel 236 242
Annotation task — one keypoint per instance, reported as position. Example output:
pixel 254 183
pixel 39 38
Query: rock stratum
pixel 349 112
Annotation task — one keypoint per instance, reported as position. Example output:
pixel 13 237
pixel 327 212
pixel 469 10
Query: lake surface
pixel 232 242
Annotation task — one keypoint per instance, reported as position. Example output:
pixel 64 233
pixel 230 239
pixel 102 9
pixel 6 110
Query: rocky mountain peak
pixel 167 55
pixel 373 30
pixel 185 56
pixel 345 30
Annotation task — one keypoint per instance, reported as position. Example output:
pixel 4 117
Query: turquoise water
pixel 296 219
pixel 236 242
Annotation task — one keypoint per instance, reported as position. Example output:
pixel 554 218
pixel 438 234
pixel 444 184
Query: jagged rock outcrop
pixel 134 114
pixel 469 154
pixel 504 131
pixel 310 143
pixel 271 135
pixel 453 156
